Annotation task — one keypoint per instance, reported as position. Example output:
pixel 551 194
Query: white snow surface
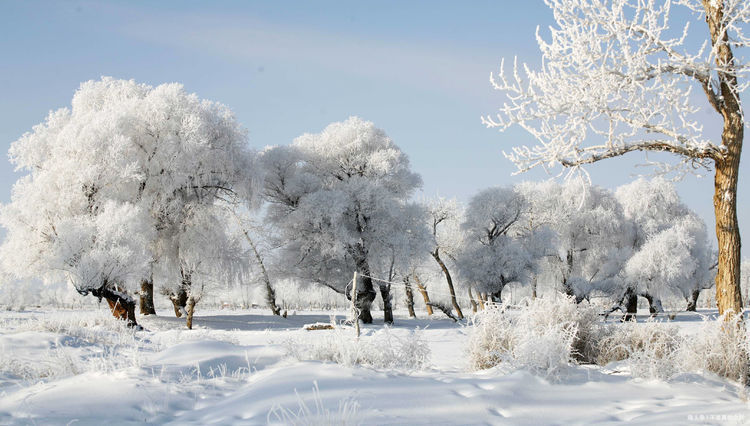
pixel 73 367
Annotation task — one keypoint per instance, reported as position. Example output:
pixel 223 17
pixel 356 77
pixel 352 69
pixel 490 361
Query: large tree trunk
pixel 191 301
pixel 120 303
pixel 728 297
pixel 425 295
pixel 385 293
pixel 654 304
pixel 409 297
pixel 147 297
pixel 436 256
pixel 631 305
pixel 180 298
pixel 692 305
pixel 179 301
pixel 567 287
pixel 365 291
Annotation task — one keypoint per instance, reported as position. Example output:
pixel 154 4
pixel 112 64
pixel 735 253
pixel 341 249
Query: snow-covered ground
pixel 72 367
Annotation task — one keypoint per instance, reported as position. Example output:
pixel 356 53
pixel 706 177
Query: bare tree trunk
pixel 473 303
pixel 270 292
pixel 728 297
pixel 481 300
pixel 567 288
pixel 147 297
pixel 436 256
pixel 693 301
pixel 120 303
pixel 385 293
pixel 425 296
pixel 365 297
pixel 654 304
pixel 533 286
pixel 631 305
pixel 179 301
pixel 409 297
pixel 191 301
pixel 365 291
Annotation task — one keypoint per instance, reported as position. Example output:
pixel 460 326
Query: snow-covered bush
pixel 649 349
pixel 544 336
pixel 658 350
pixel 720 347
pixel 380 349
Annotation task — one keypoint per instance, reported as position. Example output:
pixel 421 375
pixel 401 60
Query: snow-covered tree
pixel 445 218
pixel 617 78
pixel 335 197
pixel 493 254
pixel 588 243
pixel 397 254
pixel 675 260
pixel 160 150
pixel 654 208
pixel 652 205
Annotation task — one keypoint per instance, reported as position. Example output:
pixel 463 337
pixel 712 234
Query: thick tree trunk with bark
pixel 454 302
pixel 120 303
pixel 425 295
pixel 692 305
pixel 567 288
pixel 179 301
pixel 409 297
pixel 385 293
pixel 365 291
pixel 147 297
pixel 631 305
pixel 654 304
pixel 191 301
pixel 728 297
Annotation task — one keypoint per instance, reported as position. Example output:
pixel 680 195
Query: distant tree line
pixel 135 187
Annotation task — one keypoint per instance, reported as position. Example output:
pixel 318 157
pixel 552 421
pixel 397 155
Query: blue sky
pixel 419 70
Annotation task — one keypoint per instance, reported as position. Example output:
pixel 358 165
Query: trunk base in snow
pixel 121 305
pixel 147 298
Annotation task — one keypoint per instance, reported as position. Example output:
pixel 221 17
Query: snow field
pixel 242 367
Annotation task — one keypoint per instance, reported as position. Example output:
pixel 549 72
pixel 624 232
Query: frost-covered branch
pixel 617 78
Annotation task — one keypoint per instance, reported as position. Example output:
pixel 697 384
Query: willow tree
pixel 617 78
pixel 337 199
pixel 129 172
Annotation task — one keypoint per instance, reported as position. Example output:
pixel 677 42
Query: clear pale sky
pixel 419 70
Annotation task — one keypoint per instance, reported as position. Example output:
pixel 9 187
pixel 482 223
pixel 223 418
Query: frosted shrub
pixel 720 347
pixel 649 348
pixel 658 350
pixel 381 349
pixel 544 336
